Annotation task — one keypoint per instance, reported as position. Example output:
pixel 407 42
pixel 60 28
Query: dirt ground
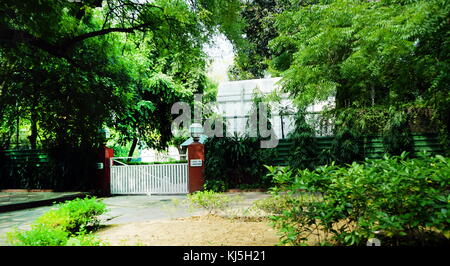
pixel 207 230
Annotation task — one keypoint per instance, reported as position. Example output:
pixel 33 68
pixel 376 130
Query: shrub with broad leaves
pixel 399 200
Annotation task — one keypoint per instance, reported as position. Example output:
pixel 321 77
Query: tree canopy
pixel 69 68
pixel 364 52
pixel 251 57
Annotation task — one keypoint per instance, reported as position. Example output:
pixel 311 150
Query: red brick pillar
pixel 104 171
pixel 196 164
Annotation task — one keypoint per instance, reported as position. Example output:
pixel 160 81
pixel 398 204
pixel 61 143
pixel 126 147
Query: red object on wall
pixel 103 183
pixel 196 152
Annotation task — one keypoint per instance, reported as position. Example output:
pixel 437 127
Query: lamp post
pixel 196 159
pixel 196 130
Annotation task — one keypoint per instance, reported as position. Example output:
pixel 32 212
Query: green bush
pixel 304 149
pixel 42 235
pixel 39 235
pixel 346 146
pixel 398 200
pixel 68 224
pixel 74 216
pixel 231 162
pixel 274 205
pixel 209 200
pixel 397 136
pixel 83 240
pixel 215 185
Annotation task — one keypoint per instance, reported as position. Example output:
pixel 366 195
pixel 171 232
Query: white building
pixel 234 103
pixel 235 100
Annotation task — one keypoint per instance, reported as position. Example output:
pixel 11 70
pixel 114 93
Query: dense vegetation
pixel 252 57
pixel 236 162
pixel 68 224
pixel 397 200
pixel 71 68
pixel 388 53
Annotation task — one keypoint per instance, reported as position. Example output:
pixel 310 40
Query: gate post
pixel 104 170
pixel 196 166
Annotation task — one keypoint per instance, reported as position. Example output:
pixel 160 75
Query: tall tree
pixel 259 16
pixel 73 67
pixel 365 52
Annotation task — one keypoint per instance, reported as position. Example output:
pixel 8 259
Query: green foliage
pixel 304 147
pixel 367 54
pixel 150 163
pixel 273 205
pixel 67 225
pixel 354 126
pixel 238 161
pixel 232 161
pixel 259 30
pixel 364 51
pixel 368 121
pixel 84 240
pixel 398 200
pixel 120 151
pixel 215 185
pixel 74 216
pixel 70 68
pixel 209 200
pixel 259 113
pixel 78 66
pixel 346 146
pixel 40 235
pixel 397 136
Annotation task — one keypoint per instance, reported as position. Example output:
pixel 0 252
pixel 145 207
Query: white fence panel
pixel 149 179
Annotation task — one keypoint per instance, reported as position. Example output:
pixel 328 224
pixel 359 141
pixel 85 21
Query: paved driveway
pixel 122 209
pixel 20 219
pixel 126 209
pixel 138 208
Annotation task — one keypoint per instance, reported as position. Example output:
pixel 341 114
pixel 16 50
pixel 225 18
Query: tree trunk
pixel 133 147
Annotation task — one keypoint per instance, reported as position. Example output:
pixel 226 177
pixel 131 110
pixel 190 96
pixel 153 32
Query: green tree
pixel 367 53
pixel 70 68
pixel 364 52
pixel 73 67
pixel 259 16
pixel 304 149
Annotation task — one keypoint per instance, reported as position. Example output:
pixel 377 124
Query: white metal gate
pixel 148 179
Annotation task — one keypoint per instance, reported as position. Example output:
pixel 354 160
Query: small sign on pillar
pixel 196 157
pixel 196 163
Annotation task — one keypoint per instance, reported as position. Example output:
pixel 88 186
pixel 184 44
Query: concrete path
pixel 141 208
pixel 124 209
pixel 20 219
pixel 138 208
